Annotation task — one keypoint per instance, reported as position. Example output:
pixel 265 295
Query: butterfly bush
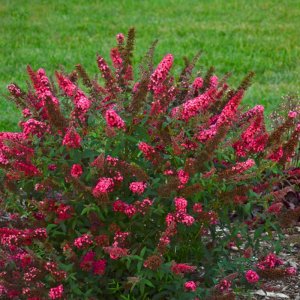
pixel 154 187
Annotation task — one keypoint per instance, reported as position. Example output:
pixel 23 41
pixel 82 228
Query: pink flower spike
pixel 224 285
pixel 183 176
pixel 241 167
pixel 180 204
pixel 103 186
pixel 213 81
pixel 116 58
pixel 198 83
pixel 120 38
pixel 87 261
pixel 292 114
pixel 197 208
pixel 251 276
pixel 64 212
pixel 83 241
pixel 138 187
pixel 14 90
pixel 190 286
pixel 115 252
pixel 34 127
pixel 182 268
pixel 56 292
pixel 114 120
pixel 147 150
pixel 160 74
pixel 81 102
pixel 275 208
pixel 187 220
pixel 72 139
pixel 291 271
pixel 99 267
pixel 76 171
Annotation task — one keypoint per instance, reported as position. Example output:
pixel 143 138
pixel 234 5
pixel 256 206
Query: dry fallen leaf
pixel 271 294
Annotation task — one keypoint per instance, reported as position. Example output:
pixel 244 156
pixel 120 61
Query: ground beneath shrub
pixel 289 287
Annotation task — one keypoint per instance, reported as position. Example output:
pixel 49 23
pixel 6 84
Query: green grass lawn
pixel 234 35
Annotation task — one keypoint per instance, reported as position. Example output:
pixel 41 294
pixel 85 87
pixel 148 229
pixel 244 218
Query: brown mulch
pixel 287 287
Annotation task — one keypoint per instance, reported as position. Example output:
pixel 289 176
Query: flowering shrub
pixel 153 188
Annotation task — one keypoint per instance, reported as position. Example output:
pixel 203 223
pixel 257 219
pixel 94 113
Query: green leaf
pixel 50 227
pixel 247 208
pixel 128 263
pixel 143 251
pixel 148 282
pixel 139 266
pixel 258 232
pixel 142 287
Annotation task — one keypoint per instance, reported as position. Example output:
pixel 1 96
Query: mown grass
pixel 234 35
